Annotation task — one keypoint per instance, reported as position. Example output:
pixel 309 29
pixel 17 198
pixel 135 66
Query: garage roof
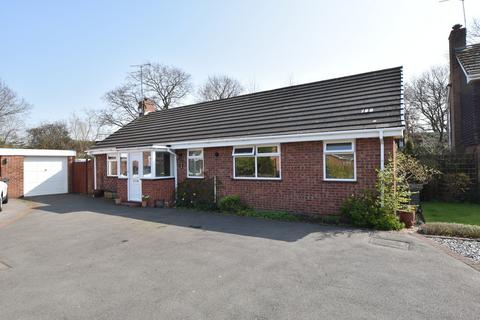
pixel 37 152
pixel 370 100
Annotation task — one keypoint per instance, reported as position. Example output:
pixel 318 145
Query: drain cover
pixel 391 243
pixel 195 226
pixel 4 266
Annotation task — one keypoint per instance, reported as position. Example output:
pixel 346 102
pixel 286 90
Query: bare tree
pixel 474 31
pixel 427 93
pixel 412 119
pixel 84 129
pixel 219 87
pixel 12 112
pixel 167 86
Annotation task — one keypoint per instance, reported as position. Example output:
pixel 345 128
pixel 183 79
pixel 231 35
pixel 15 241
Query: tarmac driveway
pixel 74 257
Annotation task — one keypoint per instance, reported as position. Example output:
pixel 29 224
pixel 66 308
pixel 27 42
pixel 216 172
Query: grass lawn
pixel 467 213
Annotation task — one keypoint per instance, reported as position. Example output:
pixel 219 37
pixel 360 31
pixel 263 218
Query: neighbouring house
pixel 302 149
pixel 464 94
pixel 34 172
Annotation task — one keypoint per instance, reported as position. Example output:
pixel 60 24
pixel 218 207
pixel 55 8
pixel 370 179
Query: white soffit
pixel 37 152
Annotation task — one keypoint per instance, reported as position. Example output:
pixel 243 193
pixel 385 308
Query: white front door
pixel 134 174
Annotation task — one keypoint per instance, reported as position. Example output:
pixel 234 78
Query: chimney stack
pixel 146 106
pixel 456 40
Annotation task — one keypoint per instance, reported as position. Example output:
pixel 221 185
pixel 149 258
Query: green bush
pixel 455 186
pixel 196 193
pixel 364 210
pixel 272 215
pixel 451 230
pixel 232 204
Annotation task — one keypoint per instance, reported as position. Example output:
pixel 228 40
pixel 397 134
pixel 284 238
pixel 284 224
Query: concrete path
pixel 74 257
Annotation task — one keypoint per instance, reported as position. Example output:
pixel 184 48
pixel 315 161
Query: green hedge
pixel 451 230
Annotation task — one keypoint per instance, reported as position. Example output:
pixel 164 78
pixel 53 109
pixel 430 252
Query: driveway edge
pixel 453 254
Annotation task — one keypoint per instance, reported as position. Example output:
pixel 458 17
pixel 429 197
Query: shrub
pixel 272 215
pixel 365 210
pixel 196 193
pixel 455 186
pixel 451 230
pixel 231 204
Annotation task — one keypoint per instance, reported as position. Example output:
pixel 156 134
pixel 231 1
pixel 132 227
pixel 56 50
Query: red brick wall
pixel 302 188
pixel 13 170
pixel 104 182
pixel 121 188
pixel 161 189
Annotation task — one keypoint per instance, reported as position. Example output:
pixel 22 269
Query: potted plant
pixel 145 199
pixel 160 203
pixel 407 215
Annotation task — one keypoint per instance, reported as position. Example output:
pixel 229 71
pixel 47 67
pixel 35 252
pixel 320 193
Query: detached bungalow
pixel 302 148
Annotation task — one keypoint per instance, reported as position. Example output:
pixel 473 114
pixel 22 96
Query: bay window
pixel 147 164
pixel 112 165
pixel 339 161
pixel 163 164
pixel 195 163
pixel 256 162
pixel 123 165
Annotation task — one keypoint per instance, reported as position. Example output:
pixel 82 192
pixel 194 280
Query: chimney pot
pixel 456 26
pixel 146 106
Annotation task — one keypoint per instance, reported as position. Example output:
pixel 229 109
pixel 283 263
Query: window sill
pixel 340 180
pixel 157 178
pixel 257 179
pixel 196 177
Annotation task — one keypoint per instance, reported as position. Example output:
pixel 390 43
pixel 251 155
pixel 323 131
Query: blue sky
pixel 63 56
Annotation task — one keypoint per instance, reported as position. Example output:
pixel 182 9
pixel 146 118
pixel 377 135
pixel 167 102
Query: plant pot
pixel 144 203
pixel 407 217
pixel 97 193
pixel 118 201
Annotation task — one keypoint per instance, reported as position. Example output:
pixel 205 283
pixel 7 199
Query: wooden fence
pixel 82 176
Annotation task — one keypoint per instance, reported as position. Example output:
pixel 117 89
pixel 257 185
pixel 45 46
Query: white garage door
pixel 45 175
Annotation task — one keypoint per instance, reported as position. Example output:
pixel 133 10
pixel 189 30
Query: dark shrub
pixel 231 204
pixel 364 210
pixel 196 193
pixel 455 186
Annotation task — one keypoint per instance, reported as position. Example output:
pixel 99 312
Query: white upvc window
pixel 257 162
pixel 339 161
pixel 195 163
pixel 112 170
pixel 122 165
pixel 164 164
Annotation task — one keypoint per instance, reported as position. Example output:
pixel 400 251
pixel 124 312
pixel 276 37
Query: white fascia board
pixel 37 152
pixel 302 137
pixel 132 149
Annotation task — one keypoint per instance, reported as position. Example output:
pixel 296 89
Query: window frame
pixel 201 157
pixel 352 150
pixel 255 155
pixel 109 164
pixel 119 164
pixel 154 166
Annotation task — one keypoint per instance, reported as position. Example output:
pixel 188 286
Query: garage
pixel 36 172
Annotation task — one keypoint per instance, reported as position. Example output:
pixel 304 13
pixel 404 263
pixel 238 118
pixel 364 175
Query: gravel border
pixel 445 249
pixel 467 248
